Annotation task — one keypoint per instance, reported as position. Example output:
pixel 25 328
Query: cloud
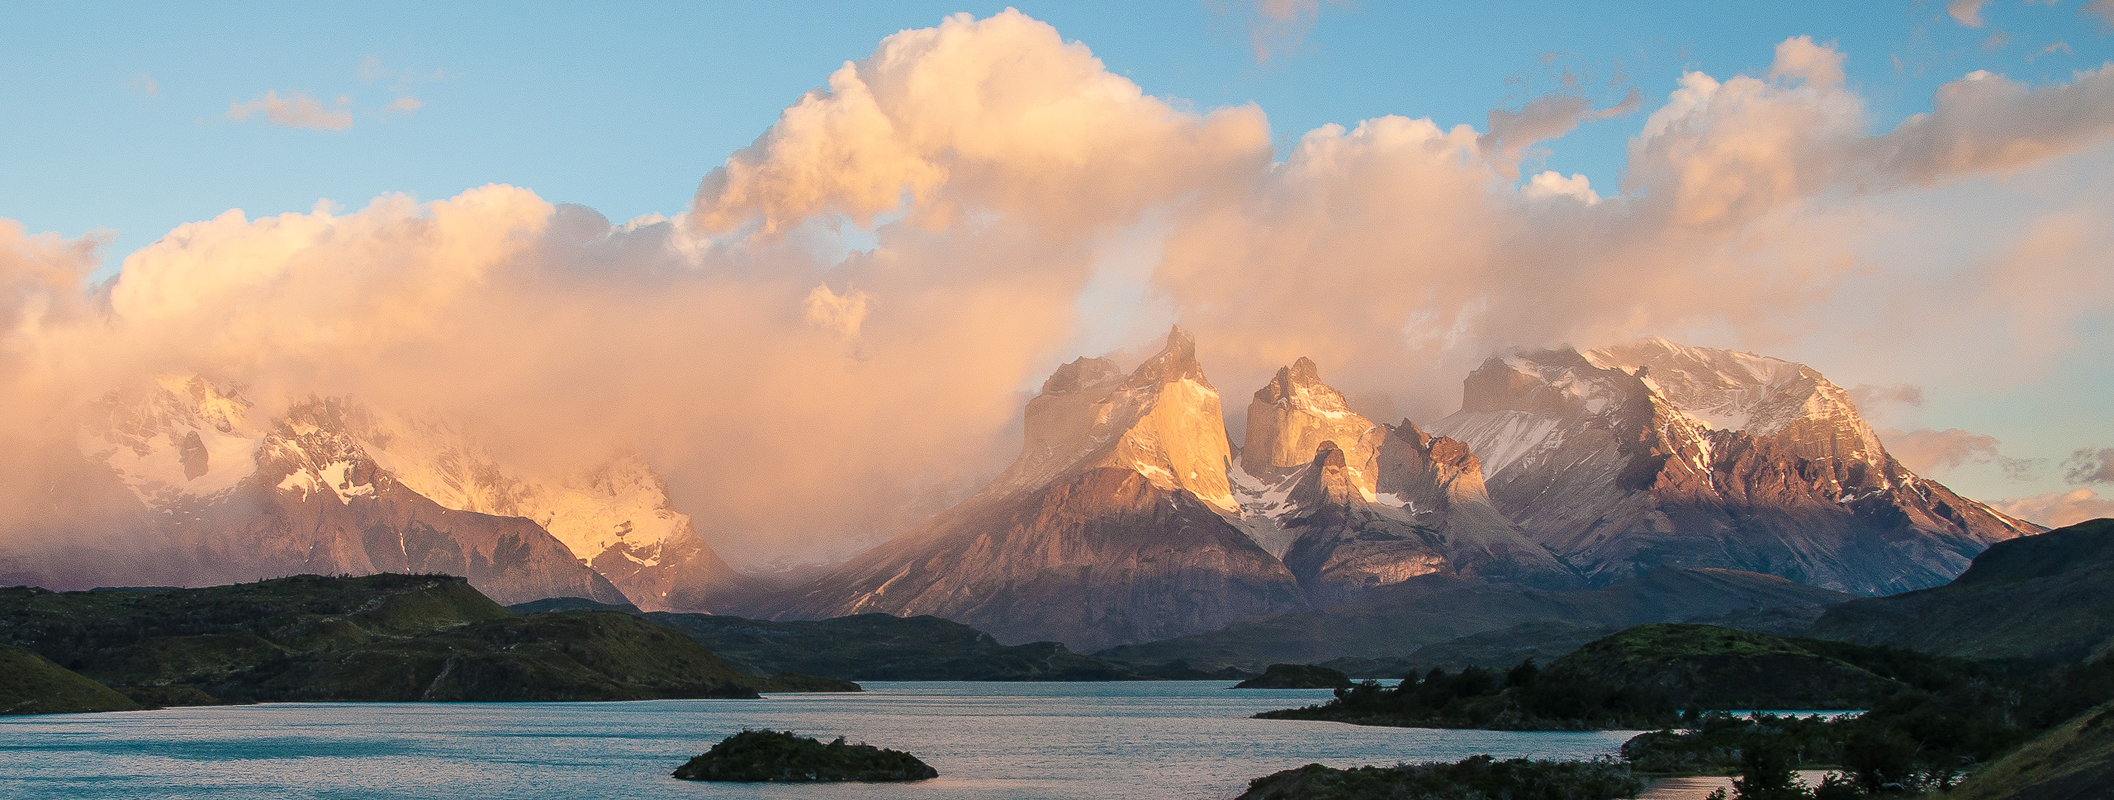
pixel 403 106
pixel 1931 452
pixel 1966 12
pixel 1553 184
pixel 1870 398
pixel 1549 116
pixel 143 85
pixel 841 313
pixel 2090 466
pixel 2058 509
pixel 798 398
pixel 2058 47
pixel 297 110
pixel 2102 9
pixel 1044 133
pixel 1275 27
pixel 1815 64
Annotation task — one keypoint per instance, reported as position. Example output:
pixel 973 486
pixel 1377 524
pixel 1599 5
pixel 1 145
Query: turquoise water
pixel 1189 739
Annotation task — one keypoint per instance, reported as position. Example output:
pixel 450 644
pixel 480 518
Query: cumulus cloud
pixel 843 313
pixel 797 398
pixel 2090 466
pixel 296 110
pixel 1966 12
pixel 403 106
pixel 2058 509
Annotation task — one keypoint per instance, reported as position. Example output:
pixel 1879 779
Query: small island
pixel 781 757
pixel 1297 676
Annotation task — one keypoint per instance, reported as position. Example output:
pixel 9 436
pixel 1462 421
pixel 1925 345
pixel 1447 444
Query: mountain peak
pixel 1175 362
pixel 1082 374
pixel 1293 415
pixel 1327 480
pixel 1162 422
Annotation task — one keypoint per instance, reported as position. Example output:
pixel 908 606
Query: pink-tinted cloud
pixel 296 110
pixel 797 399
pixel 1966 12
pixel 2058 509
pixel 1936 452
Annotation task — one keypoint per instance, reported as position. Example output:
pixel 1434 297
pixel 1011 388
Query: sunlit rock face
pixel 1347 543
pixel 1115 525
pixel 231 497
pixel 1291 416
pixel 1391 505
pixel 1163 422
pixel 1439 483
pixel 1654 453
pixel 614 515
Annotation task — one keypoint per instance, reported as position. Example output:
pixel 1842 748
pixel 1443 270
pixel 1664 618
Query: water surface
pixel 1169 739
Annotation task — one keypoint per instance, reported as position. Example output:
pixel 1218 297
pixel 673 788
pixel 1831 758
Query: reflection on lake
pixel 988 740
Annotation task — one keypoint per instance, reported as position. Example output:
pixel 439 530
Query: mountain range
pixel 1129 516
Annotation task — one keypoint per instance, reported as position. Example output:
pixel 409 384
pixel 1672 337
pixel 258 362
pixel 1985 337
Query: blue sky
pixel 624 106
pixel 128 120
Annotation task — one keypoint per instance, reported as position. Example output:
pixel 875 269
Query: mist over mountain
pixel 839 323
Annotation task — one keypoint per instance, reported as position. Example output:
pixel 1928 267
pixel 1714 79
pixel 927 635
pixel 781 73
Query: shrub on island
pixel 1476 776
pixel 1297 676
pixel 781 757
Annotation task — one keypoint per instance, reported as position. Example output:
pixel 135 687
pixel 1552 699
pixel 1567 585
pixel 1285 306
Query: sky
pixel 1907 196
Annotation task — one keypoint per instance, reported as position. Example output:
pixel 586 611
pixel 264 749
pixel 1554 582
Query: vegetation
pixel 31 684
pixel 880 647
pixel 1297 676
pixel 1642 677
pixel 1918 740
pixel 369 638
pixel 777 756
pixel 2047 599
pixel 2073 761
pixel 1524 698
pixel 1475 778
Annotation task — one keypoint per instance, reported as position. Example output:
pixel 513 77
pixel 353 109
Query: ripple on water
pixel 988 740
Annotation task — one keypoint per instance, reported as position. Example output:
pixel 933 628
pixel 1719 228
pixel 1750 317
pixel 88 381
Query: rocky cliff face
pixel 615 515
pixel 231 498
pixel 1654 454
pixel 1346 543
pixel 1440 482
pixel 1292 415
pixel 1113 526
pixel 1392 504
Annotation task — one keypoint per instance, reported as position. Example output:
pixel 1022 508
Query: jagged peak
pixel 1300 386
pixel 1176 361
pixel 1082 374
pixel 1327 480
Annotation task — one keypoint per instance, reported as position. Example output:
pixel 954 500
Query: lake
pixel 1170 739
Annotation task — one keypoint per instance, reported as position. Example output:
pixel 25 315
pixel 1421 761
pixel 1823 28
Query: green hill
pixel 1640 678
pixel 2047 598
pixel 31 684
pixel 1722 668
pixel 2072 762
pixel 369 638
pixel 880 647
